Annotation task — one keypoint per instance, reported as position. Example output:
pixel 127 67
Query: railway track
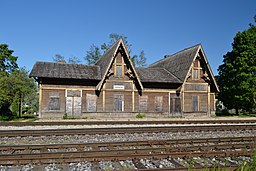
pixel 125 130
pixel 126 122
pixel 134 151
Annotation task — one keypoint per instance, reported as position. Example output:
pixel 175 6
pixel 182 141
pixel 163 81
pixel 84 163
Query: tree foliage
pixel 7 60
pixel 96 52
pixel 71 60
pixel 141 60
pixel 93 55
pixel 74 60
pixel 237 74
pixel 15 85
pixel 15 88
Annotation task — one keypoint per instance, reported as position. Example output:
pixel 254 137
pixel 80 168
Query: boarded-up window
pixel 54 103
pixel 195 74
pixel 195 103
pixel 119 69
pixel 196 87
pixel 118 103
pixel 73 93
pixel 177 105
pixel 143 103
pixel 91 102
pixel 159 103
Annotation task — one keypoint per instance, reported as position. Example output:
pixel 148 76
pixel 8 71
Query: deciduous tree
pixel 92 55
pixel 15 85
pixel 95 52
pixel 237 74
pixel 71 60
pixel 8 62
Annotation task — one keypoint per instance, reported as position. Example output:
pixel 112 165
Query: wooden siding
pixel 48 105
pixel 202 102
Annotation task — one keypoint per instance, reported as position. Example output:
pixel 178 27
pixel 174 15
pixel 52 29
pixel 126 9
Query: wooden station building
pixel 178 85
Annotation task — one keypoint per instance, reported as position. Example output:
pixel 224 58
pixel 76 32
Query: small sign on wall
pixel 118 87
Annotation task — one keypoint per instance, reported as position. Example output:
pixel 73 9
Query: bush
pixel 7 117
pixel 225 112
pixel 140 115
pixel 65 116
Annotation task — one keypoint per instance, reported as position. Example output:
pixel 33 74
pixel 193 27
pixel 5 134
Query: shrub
pixel 140 115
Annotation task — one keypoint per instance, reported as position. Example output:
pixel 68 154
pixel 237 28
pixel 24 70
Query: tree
pixel 15 85
pixel 58 58
pixel 74 60
pixel 15 88
pixel 141 60
pixel 71 60
pixel 95 52
pixel 237 74
pixel 7 60
pixel 93 55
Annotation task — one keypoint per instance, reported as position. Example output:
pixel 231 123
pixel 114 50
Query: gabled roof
pixel 157 75
pixel 63 70
pixel 172 69
pixel 107 59
pixel 179 63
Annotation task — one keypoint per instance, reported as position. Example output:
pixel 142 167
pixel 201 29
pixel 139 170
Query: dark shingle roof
pixel 179 63
pixel 171 69
pixel 105 59
pixel 156 75
pixel 63 70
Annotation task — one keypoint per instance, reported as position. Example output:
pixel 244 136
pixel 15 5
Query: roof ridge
pixel 66 63
pixel 166 57
pixel 199 44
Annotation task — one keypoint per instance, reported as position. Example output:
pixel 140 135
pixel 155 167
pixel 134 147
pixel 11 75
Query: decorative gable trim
pixel 200 49
pixel 120 43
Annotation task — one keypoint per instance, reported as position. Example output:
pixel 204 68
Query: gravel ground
pixel 129 165
pixel 122 165
pixel 122 137
pixel 106 126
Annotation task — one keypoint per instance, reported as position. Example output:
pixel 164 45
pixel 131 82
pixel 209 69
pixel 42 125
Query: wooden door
pixel 73 106
pixel 73 103
pixel 118 103
pixel 195 103
pixel 175 106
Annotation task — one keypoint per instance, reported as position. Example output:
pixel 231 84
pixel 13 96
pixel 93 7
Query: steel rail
pixel 47 123
pixel 125 130
pixel 120 154
pixel 130 144
pixel 123 151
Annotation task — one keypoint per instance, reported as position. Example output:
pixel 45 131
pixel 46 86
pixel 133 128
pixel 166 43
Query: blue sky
pixel 37 30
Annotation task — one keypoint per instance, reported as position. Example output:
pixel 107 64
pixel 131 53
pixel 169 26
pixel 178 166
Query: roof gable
pixel 180 63
pixel 208 68
pixel 106 61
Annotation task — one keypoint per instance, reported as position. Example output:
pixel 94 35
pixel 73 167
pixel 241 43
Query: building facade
pixel 179 85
